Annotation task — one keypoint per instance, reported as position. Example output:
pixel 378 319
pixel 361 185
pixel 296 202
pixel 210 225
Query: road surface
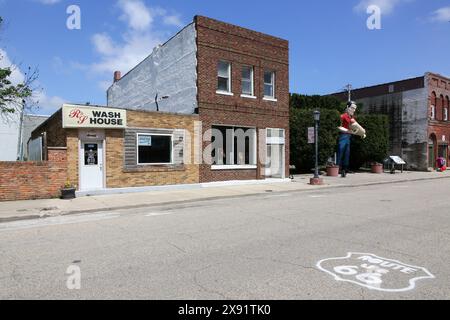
pixel 273 246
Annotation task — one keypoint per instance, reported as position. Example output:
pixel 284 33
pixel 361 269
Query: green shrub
pixel 372 149
pixel 302 153
pixel 375 147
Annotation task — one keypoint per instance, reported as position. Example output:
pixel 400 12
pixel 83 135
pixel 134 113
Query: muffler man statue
pixel 348 127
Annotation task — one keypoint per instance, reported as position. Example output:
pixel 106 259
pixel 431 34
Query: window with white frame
pixel 445 114
pixel 233 147
pixel 269 84
pixel 433 113
pixel 247 81
pixel 224 77
pixel 154 149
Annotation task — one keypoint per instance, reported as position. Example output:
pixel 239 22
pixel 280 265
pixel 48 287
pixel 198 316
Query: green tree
pixel 14 97
pixel 303 153
pixel 372 149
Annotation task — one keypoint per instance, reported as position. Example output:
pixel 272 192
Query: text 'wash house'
pixel 211 104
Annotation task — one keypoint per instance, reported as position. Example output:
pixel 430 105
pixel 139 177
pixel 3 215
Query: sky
pixel 330 42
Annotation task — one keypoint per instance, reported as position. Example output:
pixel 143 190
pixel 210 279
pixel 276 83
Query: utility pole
pixel 20 142
pixel 349 91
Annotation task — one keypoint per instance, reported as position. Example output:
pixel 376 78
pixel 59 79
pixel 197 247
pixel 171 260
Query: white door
pixel 91 165
pixel 275 161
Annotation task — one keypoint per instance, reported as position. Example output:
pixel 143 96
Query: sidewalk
pixel 33 209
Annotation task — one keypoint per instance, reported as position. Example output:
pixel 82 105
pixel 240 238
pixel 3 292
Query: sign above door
pixel 77 116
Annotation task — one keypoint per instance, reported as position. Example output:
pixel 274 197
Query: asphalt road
pixel 259 247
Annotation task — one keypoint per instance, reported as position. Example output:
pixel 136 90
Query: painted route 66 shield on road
pixel 373 272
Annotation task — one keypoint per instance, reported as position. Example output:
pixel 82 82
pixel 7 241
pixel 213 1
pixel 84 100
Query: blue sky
pixel 330 44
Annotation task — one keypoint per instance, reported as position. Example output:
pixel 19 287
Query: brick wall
pixel 55 134
pixel 118 177
pixel 34 180
pixel 221 41
pixel 439 87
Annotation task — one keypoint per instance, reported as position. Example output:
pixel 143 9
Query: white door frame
pixel 91 136
pixel 278 141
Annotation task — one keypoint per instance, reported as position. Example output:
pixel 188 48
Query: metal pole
pixel 316 134
pixel 349 90
pixel 20 147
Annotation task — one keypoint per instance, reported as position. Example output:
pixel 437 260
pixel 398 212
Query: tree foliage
pixel 375 147
pixel 302 153
pixel 372 149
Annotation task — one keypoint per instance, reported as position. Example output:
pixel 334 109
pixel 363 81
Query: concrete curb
pixel 166 203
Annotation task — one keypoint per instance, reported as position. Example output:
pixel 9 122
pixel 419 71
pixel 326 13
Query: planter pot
pixel 377 168
pixel 333 171
pixel 68 193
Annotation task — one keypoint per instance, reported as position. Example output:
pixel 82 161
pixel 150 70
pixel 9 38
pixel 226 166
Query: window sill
pixel 270 99
pixel 234 167
pixel 225 93
pixel 247 96
pixel 154 168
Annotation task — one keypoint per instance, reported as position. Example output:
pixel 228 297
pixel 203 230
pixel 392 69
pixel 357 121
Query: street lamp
pixel 160 99
pixel 316 180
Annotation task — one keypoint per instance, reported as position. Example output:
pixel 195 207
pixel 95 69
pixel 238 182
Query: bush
pixel 375 147
pixel 302 153
pixel 372 149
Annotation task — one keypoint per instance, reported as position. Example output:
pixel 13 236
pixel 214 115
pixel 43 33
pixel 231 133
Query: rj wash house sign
pixel 75 116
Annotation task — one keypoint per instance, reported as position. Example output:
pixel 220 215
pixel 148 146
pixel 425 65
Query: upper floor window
pixel 433 106
pixel 269 84
pixel 224 77
pixel 433 113
pixel 445 114
pixel 247 81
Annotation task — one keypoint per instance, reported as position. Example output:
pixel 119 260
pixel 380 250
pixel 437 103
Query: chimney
pixel 117 76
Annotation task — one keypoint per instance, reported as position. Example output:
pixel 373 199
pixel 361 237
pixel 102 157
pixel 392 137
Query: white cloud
pixel 441 15
pixel 48 2
pixel 16 76
pixel 136 43
pixel 136 14
pixel 45 104
pixel 386 6
pixel 173 20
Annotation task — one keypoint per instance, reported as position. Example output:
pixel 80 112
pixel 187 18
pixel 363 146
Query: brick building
pixel 236 80
pixel 418 111
pixel 211 104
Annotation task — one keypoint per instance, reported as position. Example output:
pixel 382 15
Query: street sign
pixel 311 135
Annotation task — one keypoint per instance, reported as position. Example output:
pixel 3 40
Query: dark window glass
pixel 91 154
pixel 154 149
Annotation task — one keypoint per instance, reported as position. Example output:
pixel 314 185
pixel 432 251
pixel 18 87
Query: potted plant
pixel 332 169
pixel 377 167
pixel 68 191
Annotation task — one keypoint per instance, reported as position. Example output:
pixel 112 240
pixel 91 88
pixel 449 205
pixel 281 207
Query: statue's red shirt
pixel 346 120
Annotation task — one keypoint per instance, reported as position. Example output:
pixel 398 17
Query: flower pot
pixel 377 168
pixel 68 193
pixel 333 171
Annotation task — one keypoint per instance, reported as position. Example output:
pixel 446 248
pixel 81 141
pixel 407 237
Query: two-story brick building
pixel 211 104
pixel 418 110
pixel 235 79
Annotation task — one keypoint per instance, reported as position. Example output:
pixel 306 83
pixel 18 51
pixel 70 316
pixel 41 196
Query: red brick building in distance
pixel 418 111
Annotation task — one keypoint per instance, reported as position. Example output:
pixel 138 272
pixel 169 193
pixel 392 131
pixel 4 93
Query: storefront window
pixel 154 149
pixel 233 146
